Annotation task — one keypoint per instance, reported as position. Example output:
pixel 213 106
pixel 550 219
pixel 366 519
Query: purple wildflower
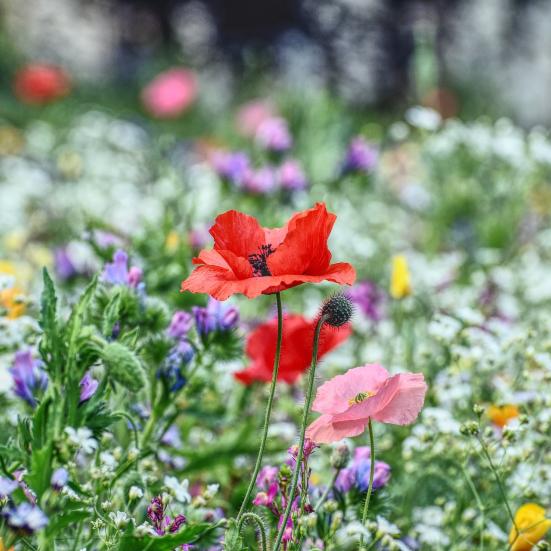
pixel 64 267
pixel 59 479
pixel 232 166
pixel 117 272
pixel 7 486
pixel 217 316
pixel 28 376
pixel 172 437
pixel 362 467
pixel 88 387
pixel 180 324
pixel 177 523
pixel 261 181
pixel 171 371
pixel 26 517
pixel 273 134
pixel 360 156
pixel 291 176
pixel 156 514
pixel 345 480
pixel 267 476
pixel 368 297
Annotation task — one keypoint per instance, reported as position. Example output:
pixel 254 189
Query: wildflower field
pixel 285 325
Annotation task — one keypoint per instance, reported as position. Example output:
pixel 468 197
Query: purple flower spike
pixel 88 387
pixel 225 316
pixel 267 476
pixel 360 156
pixel 28 376
pixel 345 480
pixel 116 272
pixel 261 181
pixel 180 325
pixel 232 166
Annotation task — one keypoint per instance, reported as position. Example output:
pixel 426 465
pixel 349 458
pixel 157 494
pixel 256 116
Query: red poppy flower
pixel 252 260
pixel 296 348
pixel 40 83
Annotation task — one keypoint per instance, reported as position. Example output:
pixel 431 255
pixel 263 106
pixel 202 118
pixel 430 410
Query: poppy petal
pixel 237 232
pixel 324 431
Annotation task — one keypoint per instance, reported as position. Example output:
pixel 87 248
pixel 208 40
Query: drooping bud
pixel 337 310
pixel 123 366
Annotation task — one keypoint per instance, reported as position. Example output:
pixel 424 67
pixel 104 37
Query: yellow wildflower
pixel 172 241
pixel 11 299
pixel 501 415
pixel 400 284
pixel 532 524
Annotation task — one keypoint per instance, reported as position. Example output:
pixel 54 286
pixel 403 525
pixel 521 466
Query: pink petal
pixel 406 402
pixel 324 431
pixel 333 396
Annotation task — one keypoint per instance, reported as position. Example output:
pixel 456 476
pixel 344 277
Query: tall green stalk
pixel 268 412
pixel 307 405
pixel 371 476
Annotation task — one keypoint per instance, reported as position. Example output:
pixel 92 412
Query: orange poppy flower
pixel 252 260
pixel 296 346
pixel 501 415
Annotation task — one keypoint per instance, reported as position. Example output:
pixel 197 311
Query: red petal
pixel 304 249
pixel 237 232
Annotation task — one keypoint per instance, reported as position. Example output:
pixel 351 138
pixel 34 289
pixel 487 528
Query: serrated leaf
pixel 48 303
pixel 188 534
pixel 232 539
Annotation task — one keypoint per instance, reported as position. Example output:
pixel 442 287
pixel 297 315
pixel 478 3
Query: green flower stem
pixel 307 405
pixel 499 482
pixel 261 529
pixel 371 475
pixel 328 489
pixel 268 412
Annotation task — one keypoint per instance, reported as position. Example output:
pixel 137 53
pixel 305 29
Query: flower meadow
pixel 275 328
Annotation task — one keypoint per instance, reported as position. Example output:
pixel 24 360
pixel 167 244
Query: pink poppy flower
pixel 348 401
pixel 170 93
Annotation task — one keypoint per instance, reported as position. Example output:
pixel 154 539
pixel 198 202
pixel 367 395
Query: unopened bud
pixel 337 310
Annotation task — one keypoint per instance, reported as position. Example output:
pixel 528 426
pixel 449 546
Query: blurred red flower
pixel 38 83
pixel 252 260
pixel 296 348
pixel 170 93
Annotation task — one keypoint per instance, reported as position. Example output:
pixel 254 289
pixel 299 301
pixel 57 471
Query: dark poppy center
pixel 259 260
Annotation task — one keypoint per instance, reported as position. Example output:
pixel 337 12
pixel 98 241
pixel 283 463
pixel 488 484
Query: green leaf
pixel 40 472
pixel 61 521
pixel 188 534
pixel 48 303
pixel 123 366
pixel 232 539
pixel 111 314
pixel 40 423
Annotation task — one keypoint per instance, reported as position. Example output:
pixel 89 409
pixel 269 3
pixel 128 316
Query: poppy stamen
pixel 259 261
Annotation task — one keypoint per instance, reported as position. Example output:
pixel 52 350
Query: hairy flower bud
pixel 340 456
pixel 337 310
pixel 123 366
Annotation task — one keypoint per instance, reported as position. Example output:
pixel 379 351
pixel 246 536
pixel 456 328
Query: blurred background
pixel 467 57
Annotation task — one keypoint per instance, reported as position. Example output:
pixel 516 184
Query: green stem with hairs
pixel 258 521
pixel 371 476
pixel 268 412
pixel 307 405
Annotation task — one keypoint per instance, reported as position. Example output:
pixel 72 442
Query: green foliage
pixel 187 534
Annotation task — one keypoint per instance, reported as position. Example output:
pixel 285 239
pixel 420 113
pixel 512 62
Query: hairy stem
pixel 261 528
pixel 307 405
pixel 268 412
pixel 371 476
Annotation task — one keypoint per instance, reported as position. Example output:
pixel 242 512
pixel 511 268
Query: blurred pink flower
pixel 348 401
pixel 170 93
pixel 252 114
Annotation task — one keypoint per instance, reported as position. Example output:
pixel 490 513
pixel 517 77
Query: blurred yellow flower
pixel 400 284
pixel 501 415
pixel 11 299
pixel 11 143
pixel 172 241
pixel 15 240
pixel 532 525
pixel 3 547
